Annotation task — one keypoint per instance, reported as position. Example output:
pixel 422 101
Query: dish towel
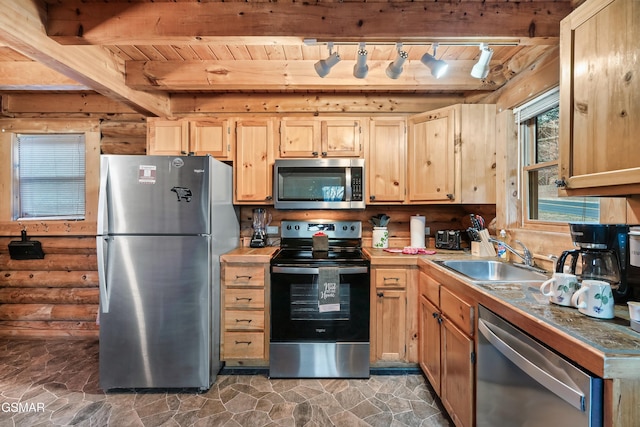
pixel 328 289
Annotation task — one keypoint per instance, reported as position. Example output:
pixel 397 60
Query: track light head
pixel 438 66
pixel 361 69
pixel 481 69
pixel 324 65
pixel 394 69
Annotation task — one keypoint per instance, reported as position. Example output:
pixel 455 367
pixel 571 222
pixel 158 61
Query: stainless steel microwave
pixel 318 184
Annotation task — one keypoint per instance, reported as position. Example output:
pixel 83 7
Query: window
pixel 49 176
pixel 538 123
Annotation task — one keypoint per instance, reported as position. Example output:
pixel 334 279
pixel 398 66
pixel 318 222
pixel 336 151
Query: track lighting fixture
pixel 324 65
pixel 438 66
pixel 361 68
pixel 481 69
pixel 395 68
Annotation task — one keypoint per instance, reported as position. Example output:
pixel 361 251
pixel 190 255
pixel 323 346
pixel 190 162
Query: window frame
pixel 91 130
pixel 527 155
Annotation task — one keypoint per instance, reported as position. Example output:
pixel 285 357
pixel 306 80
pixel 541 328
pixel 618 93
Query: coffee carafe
pixel 601 254
pixel 261 219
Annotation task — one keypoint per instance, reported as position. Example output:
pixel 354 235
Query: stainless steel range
pixel 320 302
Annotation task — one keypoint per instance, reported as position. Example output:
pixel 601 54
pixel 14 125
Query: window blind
pixel 50 176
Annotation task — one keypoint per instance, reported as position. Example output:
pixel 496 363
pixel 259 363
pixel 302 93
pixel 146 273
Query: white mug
pixel 595 299
pixel 560 288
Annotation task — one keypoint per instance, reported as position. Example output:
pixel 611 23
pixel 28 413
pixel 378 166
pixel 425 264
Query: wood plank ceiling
pixel 143 52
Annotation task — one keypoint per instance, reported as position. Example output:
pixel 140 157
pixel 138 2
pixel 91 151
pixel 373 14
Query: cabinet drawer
pixel 391 278
pixel 430 288
pixel 243 298
pixel 244 345
pixel 244 320
pixel 457 310
pixel 242 275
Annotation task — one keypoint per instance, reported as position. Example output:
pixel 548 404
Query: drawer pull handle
pixel 244 298
pixel 243 277
pixel 244 320
pixel 395 279
pixel 243 342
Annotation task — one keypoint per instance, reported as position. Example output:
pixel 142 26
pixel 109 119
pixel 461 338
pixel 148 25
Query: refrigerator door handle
pixel 102 276
pixel 103 220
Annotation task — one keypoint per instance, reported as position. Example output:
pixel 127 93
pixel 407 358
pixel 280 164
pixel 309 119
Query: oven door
pixel 295 310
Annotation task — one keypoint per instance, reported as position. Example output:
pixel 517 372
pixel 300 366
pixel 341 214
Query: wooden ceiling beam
pixel 109 23
pixel 250 75
pixel 21 29
pixel 29 75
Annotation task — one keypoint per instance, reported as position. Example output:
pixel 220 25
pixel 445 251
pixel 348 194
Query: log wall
pixel 52 297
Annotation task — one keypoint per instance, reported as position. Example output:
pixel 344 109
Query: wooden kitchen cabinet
pixel 210 136
pixel 389 310
pixel 320 137
pixel 244 313
pixel 447 348
pixel 253 166
pixel 386 160
pixel 451 155
pixel 600 99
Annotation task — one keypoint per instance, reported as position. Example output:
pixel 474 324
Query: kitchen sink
pixel 493 271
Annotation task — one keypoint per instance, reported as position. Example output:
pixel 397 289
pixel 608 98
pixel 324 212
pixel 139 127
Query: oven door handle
pixel 316 270
pixel 571 395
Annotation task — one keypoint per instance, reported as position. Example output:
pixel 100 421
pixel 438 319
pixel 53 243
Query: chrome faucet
pixel 527 257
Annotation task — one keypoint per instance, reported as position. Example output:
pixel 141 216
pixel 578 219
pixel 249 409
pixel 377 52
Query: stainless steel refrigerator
pixel 163 223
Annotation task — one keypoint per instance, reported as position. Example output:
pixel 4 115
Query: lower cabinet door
pixel 457 375
pixel 391 309
pixel 430 342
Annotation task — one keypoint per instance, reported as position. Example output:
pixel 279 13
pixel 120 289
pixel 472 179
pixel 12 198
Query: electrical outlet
pixel 427 231
pixel 272 229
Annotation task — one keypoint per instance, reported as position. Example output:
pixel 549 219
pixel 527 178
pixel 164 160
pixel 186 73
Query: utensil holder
pixel 380 237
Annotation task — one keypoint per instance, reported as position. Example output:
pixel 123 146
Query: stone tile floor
pixel 52 383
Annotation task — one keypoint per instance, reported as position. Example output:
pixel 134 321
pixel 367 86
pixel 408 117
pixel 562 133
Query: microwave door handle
pixel 348 190
pixel 567 393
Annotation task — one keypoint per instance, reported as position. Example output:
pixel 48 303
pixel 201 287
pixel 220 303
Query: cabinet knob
pixel 324 154
pixel 314 153
pixel 450 196
pixel 372 197
pixel 269 198
pixel 560 183
pixel 380 294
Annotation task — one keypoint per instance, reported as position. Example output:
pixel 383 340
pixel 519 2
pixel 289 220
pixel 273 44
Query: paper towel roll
pixel 417 225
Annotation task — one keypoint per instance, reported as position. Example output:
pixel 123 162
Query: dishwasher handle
pixel 564 391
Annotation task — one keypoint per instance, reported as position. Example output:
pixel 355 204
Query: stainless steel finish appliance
pixel 312 336
pixel 603 252
pixel 163 223
pixel 520 382
pixel 319 184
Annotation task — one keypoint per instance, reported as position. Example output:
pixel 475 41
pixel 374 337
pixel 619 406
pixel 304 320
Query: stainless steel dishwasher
pixel 522 383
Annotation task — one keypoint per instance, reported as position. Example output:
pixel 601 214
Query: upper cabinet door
pixel 253 166
pixel 600 98
pixel 320 137
pixel 386 167
pixel 341 138
pixel 431 156
pixel 299 138
pixel 212 136
pixel 167 137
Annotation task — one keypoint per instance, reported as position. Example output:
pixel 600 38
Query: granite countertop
pixel 607 347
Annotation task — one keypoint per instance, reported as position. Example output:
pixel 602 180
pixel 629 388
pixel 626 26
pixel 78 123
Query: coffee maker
pixel 261 220
pixel 603 251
